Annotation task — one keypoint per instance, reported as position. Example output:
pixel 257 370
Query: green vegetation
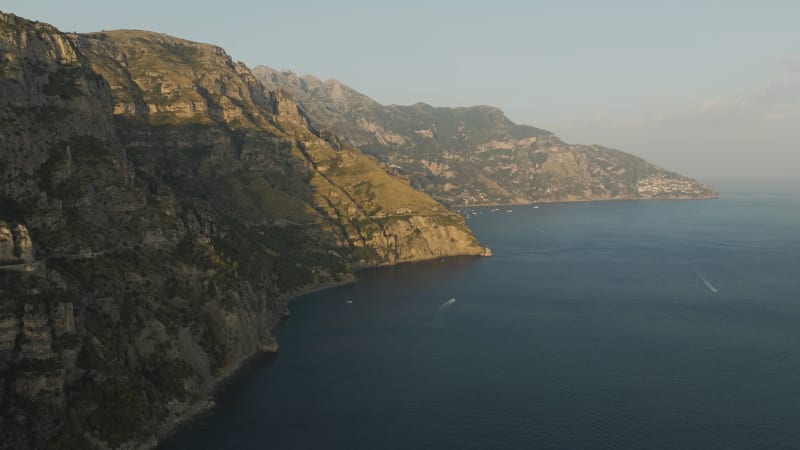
pixel 123 411
pixel 366 254
pixel 63 82
pixel 12 210
pixel 168 376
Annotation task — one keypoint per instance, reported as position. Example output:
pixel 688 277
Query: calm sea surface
pixel 619 325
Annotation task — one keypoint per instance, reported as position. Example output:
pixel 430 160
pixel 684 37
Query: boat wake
pixel 705 281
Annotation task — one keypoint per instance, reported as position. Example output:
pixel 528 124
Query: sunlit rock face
pixel 157 204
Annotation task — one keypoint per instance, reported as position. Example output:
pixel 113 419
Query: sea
pixel 607 325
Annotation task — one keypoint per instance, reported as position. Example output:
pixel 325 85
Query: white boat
pixel 447 304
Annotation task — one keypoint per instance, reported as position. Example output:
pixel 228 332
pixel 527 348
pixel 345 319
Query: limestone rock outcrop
pixel 16 246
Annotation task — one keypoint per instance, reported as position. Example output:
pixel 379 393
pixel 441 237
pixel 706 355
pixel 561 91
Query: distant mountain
pixel 476 155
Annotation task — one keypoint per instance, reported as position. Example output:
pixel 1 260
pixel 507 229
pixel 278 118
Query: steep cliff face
pixel 261 147
pixel 156 202
pixel 476 155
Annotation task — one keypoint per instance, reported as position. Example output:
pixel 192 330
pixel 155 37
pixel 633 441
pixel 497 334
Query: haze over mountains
pixel 476 155
pixel 702 90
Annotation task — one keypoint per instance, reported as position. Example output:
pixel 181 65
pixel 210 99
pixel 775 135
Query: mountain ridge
pixel 475 155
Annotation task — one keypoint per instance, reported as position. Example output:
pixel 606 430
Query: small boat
pixel 447 304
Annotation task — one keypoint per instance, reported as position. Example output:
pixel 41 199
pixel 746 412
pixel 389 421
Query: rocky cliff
pixel 156 205
pixel 15 244
pixel 476 155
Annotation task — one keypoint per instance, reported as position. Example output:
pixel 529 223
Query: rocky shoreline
pixel 208 404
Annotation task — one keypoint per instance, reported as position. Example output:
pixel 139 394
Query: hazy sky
pixel 707 88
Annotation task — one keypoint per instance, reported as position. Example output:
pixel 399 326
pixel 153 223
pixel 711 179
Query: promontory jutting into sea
pixel 163 207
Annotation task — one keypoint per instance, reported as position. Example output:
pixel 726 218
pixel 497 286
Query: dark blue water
pixel 590 327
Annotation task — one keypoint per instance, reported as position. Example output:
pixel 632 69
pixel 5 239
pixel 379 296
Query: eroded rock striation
pixel 476 155
pixel 163 203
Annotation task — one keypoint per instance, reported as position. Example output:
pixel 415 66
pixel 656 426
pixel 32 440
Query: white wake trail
pixel 705 281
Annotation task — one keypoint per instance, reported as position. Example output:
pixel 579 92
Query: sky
pixel 710 89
